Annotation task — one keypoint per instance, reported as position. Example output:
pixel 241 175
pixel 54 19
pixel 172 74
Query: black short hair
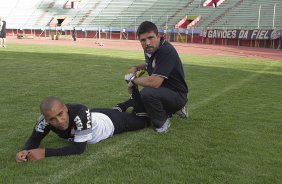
pixel 147 26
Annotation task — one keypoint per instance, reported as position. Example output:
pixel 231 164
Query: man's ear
pixel 158 36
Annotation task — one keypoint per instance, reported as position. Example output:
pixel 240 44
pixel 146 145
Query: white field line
pixel 92 160
pixel 222 92
pixel 228 88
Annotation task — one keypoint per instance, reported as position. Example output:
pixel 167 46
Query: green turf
pixel 233 134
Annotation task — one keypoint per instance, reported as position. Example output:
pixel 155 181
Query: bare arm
pixel 152 81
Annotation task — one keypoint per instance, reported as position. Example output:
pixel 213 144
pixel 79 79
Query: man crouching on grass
pixel 78 125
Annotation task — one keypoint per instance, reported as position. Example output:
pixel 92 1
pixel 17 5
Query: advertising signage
pixel 256 34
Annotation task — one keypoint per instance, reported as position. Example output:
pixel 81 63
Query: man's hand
pixel 21 156
pixel 36 154
pixel 132 70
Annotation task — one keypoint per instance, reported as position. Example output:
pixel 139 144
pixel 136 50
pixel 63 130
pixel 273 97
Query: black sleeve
pixel 40 130
pixel 34 140
pixel 75 148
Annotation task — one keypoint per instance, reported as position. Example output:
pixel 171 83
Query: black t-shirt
pixel 165 62
pixel 77 132
pixel 3 27
pixel 79 119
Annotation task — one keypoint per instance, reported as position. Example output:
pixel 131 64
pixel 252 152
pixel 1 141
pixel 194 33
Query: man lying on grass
pixel 79 125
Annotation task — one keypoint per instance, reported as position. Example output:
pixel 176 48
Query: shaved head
pixel 48 103
pixel 55 112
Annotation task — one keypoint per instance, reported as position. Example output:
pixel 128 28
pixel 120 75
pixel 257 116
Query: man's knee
pixel 148 93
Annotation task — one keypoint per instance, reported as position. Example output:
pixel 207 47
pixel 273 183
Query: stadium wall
pixel 173 36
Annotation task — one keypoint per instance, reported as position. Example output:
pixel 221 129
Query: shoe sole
pixel 163 131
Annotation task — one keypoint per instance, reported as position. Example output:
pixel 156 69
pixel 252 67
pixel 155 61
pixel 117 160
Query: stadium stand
pixel 246 15
pixel 121 17
pixel 21 14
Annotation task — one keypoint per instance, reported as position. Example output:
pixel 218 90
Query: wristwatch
pixel 129 77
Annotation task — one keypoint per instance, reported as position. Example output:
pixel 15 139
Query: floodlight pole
pixel 259 15
pixel 274 11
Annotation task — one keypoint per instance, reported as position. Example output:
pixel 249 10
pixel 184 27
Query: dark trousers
pixel 161 102
pixel 2 34
pixel 74 37
pixel 124 121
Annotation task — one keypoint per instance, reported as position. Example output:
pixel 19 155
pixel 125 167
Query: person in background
pixel 74 34
pixel 2 33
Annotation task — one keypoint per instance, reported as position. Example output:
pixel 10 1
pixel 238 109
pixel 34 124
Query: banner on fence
pixel 256 34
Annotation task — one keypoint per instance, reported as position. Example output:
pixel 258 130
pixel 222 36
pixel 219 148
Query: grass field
pixel 233 134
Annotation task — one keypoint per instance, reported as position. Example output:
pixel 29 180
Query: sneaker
pixel 164 128
pixel 183 113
